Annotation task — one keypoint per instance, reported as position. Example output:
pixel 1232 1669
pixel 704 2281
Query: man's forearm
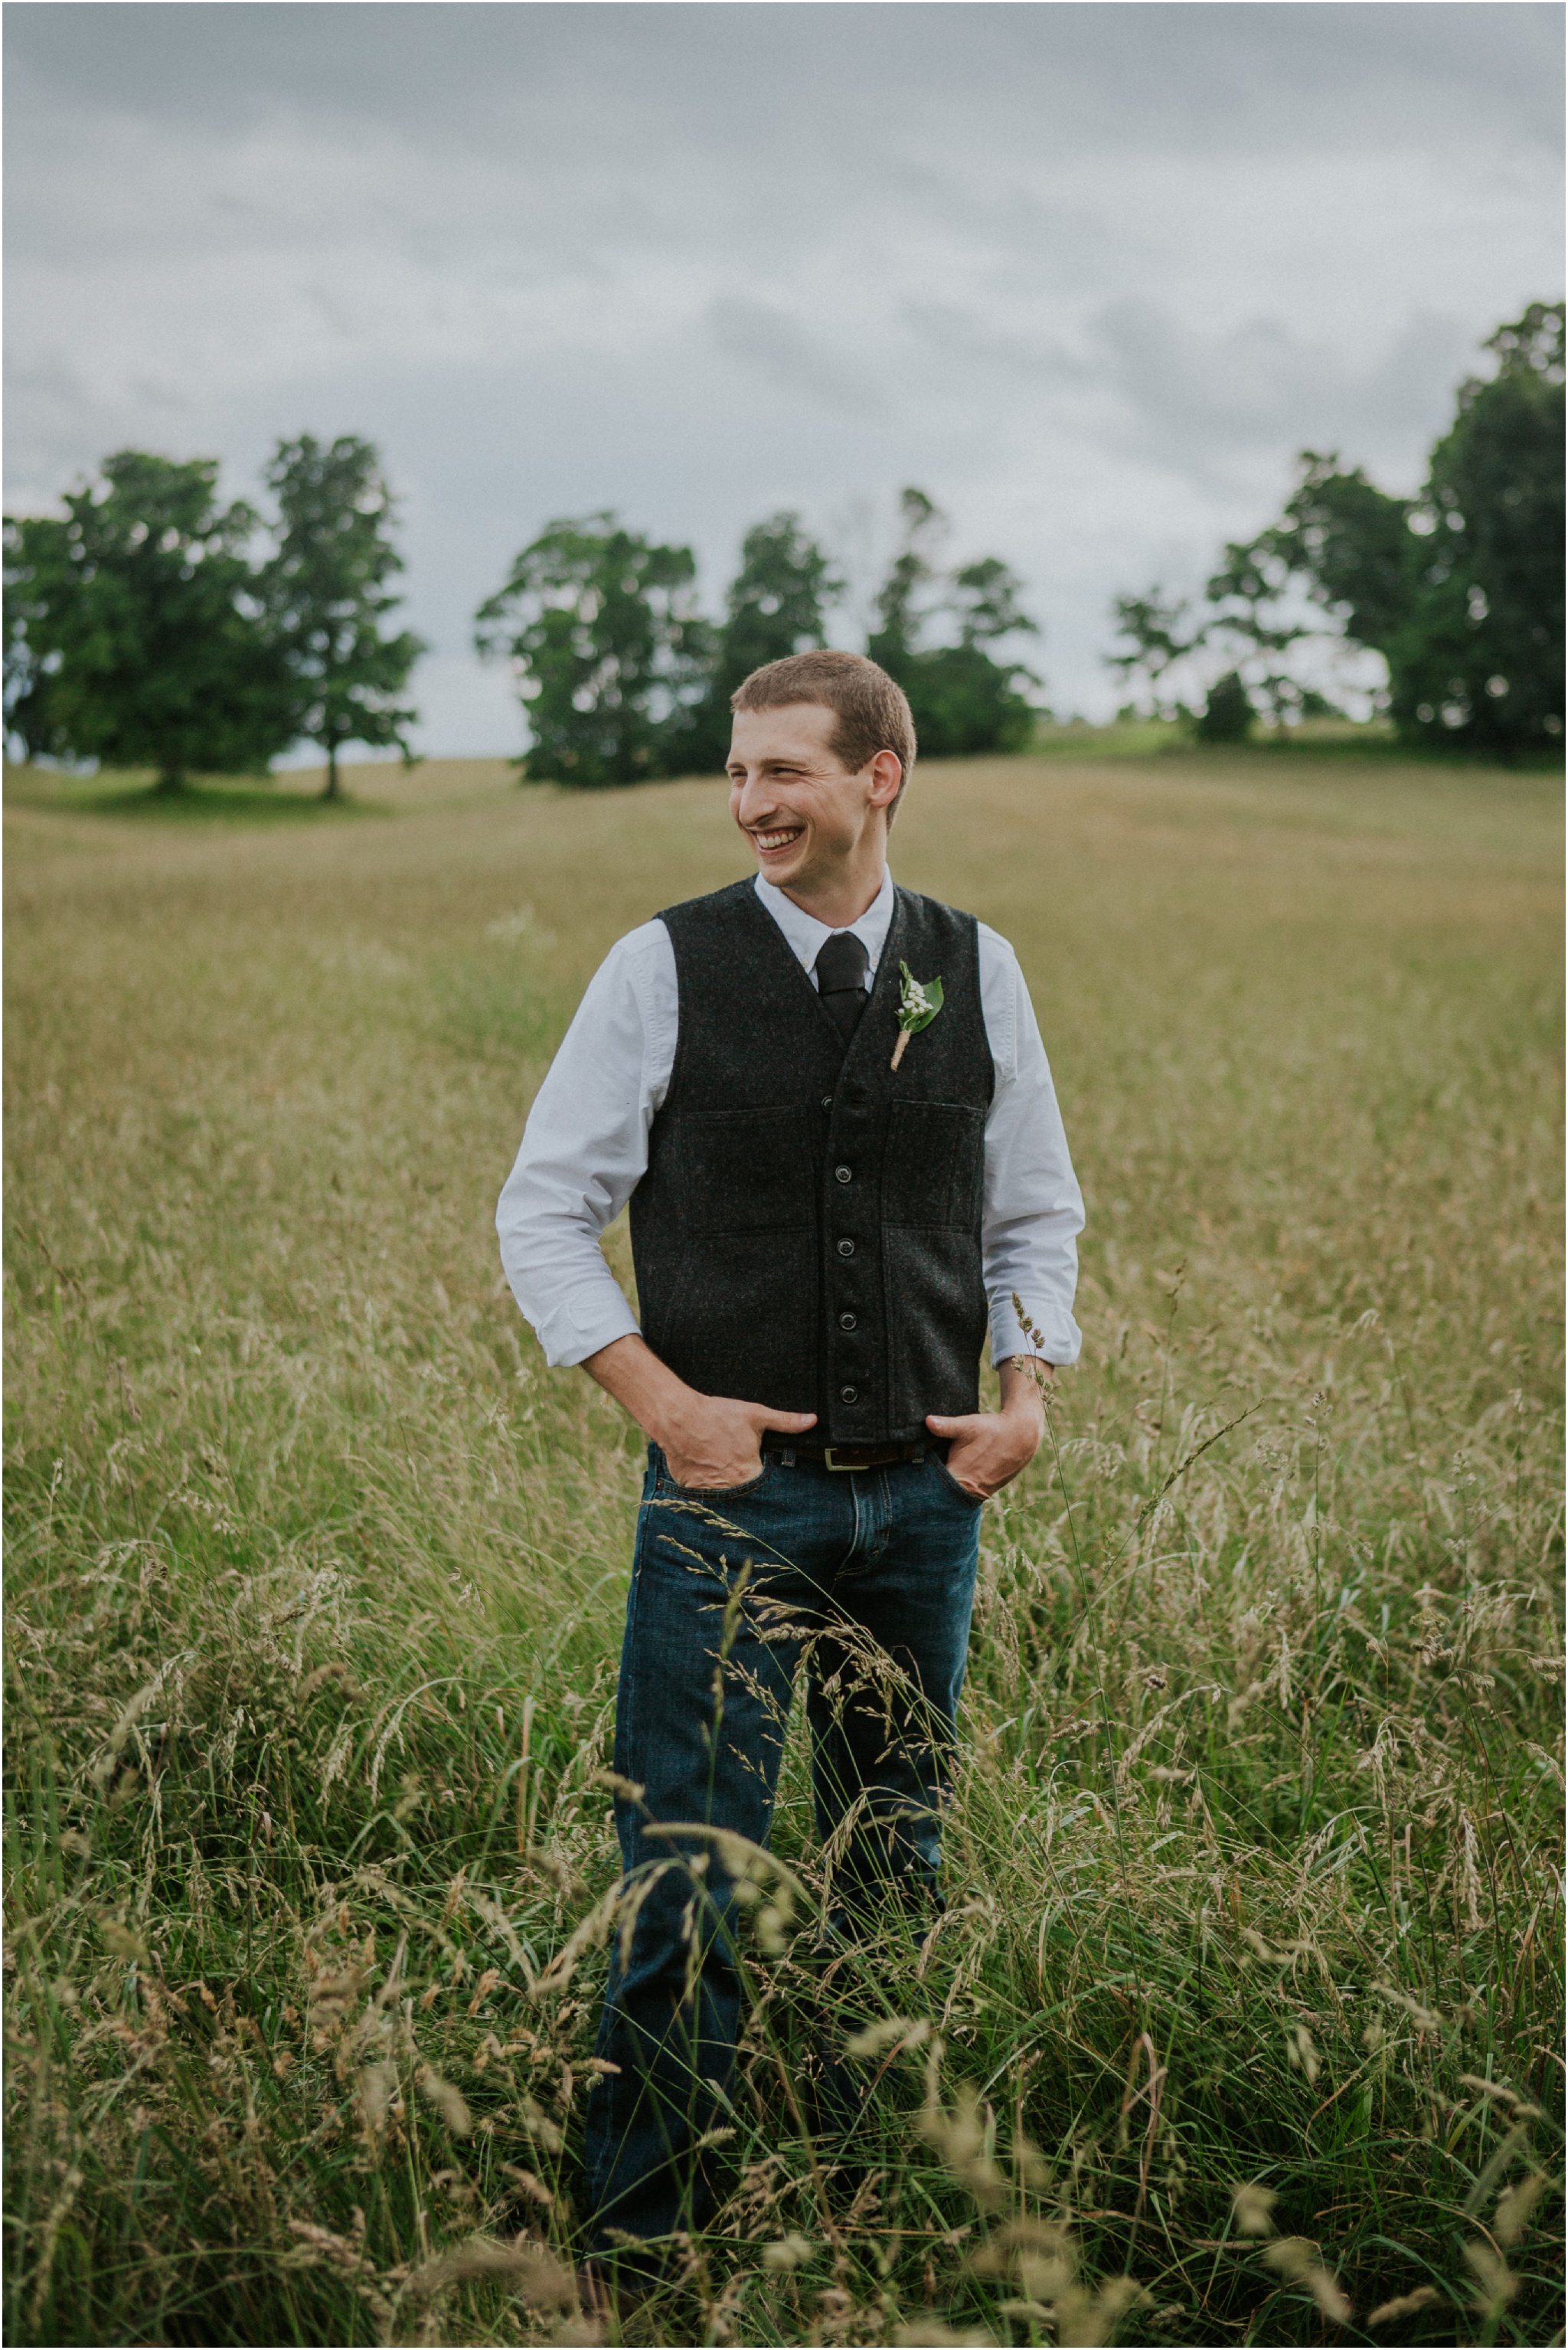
pixel 629 1369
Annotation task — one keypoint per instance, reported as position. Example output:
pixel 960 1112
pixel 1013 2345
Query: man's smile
pixel 777 836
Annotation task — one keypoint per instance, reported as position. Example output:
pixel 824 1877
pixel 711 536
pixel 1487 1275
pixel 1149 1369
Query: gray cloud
pixel 791 357
pixel 1311 74
pixel 1210 404
pixel 1090 273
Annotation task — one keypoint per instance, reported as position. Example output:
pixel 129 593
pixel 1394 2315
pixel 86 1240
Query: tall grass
pixel 1242 2022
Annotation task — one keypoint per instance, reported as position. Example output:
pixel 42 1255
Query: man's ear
pixel 886 777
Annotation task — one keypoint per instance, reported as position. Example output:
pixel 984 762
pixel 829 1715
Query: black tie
pixel 841 979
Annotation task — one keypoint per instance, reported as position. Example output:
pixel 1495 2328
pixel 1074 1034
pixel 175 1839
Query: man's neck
pixel 842 900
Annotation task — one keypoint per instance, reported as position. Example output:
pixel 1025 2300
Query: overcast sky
pixel 1089 274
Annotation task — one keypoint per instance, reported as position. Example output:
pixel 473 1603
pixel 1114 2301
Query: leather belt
pixel 854 1456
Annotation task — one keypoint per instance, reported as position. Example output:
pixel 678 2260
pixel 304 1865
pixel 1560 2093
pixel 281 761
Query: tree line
pixel 1459 588
pixel 149 625
pixel 144 629
pixel 622 678
pixel 152 626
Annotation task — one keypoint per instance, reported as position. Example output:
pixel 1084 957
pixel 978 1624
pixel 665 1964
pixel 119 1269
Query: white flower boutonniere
pixel 920 1001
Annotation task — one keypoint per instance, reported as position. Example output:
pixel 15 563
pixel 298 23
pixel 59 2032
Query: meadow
pixel 1242 2023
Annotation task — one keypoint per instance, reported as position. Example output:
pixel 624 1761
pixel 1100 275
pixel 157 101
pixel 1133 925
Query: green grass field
pixel 317 1573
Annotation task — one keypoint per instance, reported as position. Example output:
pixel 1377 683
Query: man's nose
pixel 756 800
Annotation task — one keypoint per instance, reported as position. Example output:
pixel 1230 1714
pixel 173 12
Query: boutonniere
pixel 920 1001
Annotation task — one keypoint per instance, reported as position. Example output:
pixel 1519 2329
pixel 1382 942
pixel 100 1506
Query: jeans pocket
pixel 715 1493
pixel 975 1501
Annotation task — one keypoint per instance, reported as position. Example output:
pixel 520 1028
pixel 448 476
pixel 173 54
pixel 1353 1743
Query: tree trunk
pixel 333 790
pixel 170 784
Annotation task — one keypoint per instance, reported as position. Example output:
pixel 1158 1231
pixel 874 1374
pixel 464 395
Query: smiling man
pixel 825 1214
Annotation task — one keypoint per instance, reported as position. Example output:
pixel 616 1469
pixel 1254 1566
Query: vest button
pixel 828 1101
pixel 848 1394
pixel 846 1321
pixel 843 1173
pixel 845 1248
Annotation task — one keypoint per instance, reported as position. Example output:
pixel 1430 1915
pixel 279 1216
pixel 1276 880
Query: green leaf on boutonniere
pixel 920 1001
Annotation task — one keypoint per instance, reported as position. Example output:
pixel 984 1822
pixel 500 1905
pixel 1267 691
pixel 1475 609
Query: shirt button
pixel 848 1394
pixel 843 1173
pixel 845 1248
pixel 828 1101
pixel 846 1321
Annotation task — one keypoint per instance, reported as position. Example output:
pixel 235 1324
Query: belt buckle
pixel 842 1466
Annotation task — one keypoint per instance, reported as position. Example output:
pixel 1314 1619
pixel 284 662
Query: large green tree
pixel 963 699
pixel 612 658
pixel 135 636
pixel 1459 589
pixel 776 604
pixel 327 593
pixel 1479 660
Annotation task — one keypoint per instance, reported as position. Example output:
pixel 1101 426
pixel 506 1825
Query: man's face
pixel 806 816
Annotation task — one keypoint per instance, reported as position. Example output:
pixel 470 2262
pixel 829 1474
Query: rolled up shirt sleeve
pixel 585 1150
pixel 1033 1210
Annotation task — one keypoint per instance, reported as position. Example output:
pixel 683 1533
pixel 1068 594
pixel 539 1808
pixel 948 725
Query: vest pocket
pixel 934 1165
pixel 745 1171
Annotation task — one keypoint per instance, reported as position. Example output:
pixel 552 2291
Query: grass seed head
pixel 1515 2206
pixel 1086 2321
pixel 536 2122
pixel 1038 2253
pixel 526 2270
pixel 449 2102
pixel 1496 2283
pixel 1253 2207
pixel 378 2086
pixel 535 2189
pixel 789 2253
pixel 1405 2304
pixel 960 2138
pixel 889 2032
pixel 1297 2260
pixel 1302 2053
pixel 334 1995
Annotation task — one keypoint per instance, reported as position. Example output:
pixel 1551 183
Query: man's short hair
pixel 873 713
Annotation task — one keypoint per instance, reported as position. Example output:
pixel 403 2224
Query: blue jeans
pixel 868 1578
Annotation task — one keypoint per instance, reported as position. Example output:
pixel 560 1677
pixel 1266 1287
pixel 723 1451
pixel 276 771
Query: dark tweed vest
pixel 808 1233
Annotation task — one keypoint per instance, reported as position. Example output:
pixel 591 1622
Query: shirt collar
pixel 805 934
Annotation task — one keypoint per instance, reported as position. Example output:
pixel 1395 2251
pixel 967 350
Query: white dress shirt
pixel 584 1147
